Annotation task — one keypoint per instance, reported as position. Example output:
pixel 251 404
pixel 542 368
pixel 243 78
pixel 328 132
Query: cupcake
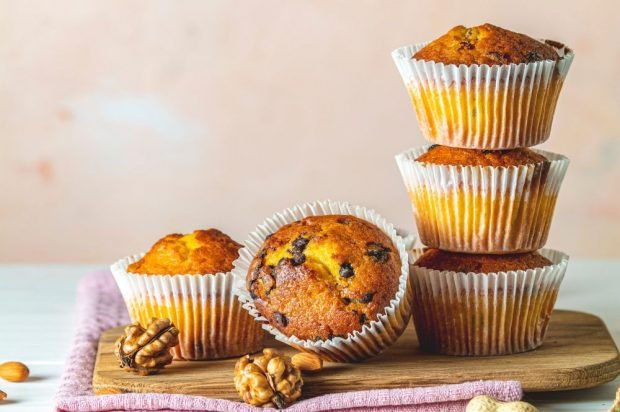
pixel 481 305
pixel 484 87
pixel 187 279
pixel 481 201
pixel 327 278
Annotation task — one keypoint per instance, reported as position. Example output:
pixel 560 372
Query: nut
pixel 14 371
pixel 147 351
pixel 616 406
pixel 269 379
pixel 307 362
pixel 2 396
pixel 485 403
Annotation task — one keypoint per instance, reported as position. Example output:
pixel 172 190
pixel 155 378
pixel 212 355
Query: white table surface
pixel 37 310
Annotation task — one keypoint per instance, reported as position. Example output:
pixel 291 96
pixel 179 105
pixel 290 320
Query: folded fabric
pixel 100 307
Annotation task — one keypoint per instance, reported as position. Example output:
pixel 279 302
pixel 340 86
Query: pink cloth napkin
pixel 100 307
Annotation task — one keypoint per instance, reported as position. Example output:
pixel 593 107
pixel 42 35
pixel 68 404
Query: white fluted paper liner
pixel 374 336
pixel 477 314
pixel 211 322
pixel 482 209
pixel 481 106
pixel 409 238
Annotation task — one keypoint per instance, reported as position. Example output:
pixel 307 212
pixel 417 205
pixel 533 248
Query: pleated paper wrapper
pixel 483 209
pixel 480 106
pixel 375 336
pixel 211 322
pixel 476 314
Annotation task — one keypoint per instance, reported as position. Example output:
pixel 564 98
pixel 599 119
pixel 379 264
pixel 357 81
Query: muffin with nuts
pixel 187 279
pixel 483 304
pixel 328 283
pixel 482 201
pixel 484 87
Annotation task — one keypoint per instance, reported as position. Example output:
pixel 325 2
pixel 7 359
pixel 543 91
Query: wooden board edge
pixel 582 379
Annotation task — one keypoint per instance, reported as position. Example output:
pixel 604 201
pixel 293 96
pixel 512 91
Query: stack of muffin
pixel 483 201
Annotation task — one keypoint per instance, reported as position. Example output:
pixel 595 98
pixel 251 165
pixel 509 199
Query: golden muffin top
pixel 444 155
pixel 201 252
pixel 486 44
pixel 324 276
pixel 479 263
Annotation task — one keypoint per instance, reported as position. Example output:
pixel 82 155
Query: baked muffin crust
pixel 324 276
pixel 201 252
pixel 444 155
pixel 480 263
pixel 485 44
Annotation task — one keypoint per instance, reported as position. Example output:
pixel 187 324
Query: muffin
pixel 324 276
pixel 329 278
pixel 482 201
pixel 187 279
pixel 482 305
pixel 203 251
pixel 484 87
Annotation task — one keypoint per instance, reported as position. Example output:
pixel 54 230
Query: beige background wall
pixel 121 121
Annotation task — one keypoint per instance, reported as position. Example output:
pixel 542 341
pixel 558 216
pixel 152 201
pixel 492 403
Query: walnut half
pixel 268 380
pixel 146 351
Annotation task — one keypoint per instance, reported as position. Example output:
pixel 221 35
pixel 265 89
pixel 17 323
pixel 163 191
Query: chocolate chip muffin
pixel 482 201
pixel 203 252
pixel 324 276
pixel 483 305
pixel 503 95
pixel 480 263
pixel 485 44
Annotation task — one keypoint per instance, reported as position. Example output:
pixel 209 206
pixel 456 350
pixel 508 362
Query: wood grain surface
pixel 578 353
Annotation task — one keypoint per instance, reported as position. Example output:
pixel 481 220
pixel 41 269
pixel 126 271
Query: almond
pixel 307 362
pixel 14 371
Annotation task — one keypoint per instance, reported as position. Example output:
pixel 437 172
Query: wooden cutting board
pixel 578 353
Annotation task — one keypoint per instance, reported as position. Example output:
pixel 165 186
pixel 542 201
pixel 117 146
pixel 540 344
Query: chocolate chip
pixel 280 318
pixel 363 318
pixel 250 286
pixel 367 298
pixel 298 259
pixel 465 45
pixel 378 252
pixel 346 300
pixel 532 57
pixel 343 220
pixel 262 254
pixel 346 270
pixel 499 57
pixel 300 244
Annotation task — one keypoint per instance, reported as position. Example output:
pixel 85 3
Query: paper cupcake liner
pixel 480 106
pixel 477 314
pixel 483 209
pixel 374 336
pixel 211 322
